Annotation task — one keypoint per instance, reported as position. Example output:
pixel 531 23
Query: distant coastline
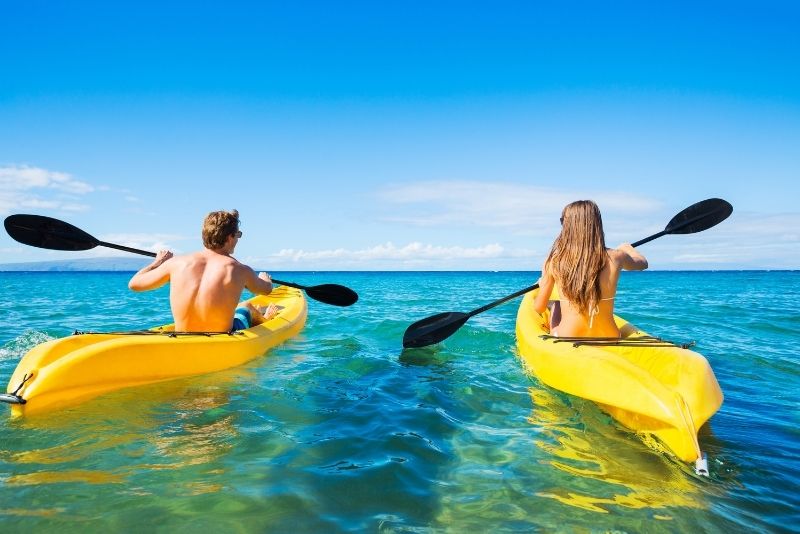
pixel 88 264
pixel 134 264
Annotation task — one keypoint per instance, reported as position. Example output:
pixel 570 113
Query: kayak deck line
pixel 639 341
pixel 159 332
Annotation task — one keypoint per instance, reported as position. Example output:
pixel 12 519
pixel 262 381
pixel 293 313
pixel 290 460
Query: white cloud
pixel 414 255
pixel 748 240
pixel 498 204
pixel 22 186
pixel 37 203
pixel 388 251
pixel 25 177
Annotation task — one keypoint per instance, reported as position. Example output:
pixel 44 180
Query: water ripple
pixel 340 429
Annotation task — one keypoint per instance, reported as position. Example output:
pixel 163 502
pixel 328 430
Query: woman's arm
pixel 546 284
pixel 630 259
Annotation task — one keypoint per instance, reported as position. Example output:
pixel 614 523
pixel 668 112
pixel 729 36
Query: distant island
pixel 89 264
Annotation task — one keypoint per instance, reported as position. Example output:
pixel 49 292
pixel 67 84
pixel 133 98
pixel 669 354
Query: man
pixel 206 286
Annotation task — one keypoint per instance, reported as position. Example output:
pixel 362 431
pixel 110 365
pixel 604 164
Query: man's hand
pixel 150 278
pixel 161 257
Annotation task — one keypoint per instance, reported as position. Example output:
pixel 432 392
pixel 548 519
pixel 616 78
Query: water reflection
pixel 159 427
pixel 606 466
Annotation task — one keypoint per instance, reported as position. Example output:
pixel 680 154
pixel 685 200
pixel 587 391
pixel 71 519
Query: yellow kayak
pixel 649 385
pixel 66 371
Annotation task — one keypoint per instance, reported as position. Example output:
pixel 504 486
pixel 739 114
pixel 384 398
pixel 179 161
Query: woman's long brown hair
pixel 579 254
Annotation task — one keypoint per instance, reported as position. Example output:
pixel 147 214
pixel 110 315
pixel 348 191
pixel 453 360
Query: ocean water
pixel 339 429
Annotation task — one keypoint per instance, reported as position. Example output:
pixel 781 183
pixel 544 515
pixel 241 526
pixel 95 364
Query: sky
pixel 407 135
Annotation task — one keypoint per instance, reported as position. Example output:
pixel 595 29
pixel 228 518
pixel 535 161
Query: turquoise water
pixel 340 429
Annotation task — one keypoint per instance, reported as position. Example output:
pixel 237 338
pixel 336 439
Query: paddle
pixel 437 328
pixel 46 232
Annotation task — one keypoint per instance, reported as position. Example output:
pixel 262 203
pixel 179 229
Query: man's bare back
pixel 205 286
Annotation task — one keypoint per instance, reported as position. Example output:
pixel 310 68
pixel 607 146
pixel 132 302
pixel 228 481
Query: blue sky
pixel 403 135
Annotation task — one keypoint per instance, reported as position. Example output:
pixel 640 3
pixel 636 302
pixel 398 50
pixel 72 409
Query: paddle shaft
pixel 479 310
pixel 634 245
pixel 473 312
pixel 502 300
pixel 648 239
pixel 153 255
pixel 699 216
pixel 521 292
pixel 127 249
pixel 535 286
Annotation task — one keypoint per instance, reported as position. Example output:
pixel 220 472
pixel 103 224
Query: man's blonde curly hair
pixel 218 226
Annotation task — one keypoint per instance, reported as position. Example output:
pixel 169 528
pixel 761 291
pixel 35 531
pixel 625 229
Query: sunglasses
pixel 561 219
pixel 238 234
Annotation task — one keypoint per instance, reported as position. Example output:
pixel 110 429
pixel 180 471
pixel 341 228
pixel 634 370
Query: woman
pixel 586 273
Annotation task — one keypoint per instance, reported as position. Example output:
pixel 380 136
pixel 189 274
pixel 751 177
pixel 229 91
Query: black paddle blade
pixel 699 217
pixel 332 294
pixel 433 329
pixel 46 232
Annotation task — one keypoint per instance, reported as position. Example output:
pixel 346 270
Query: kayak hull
pixel 665 390
pixel 67 371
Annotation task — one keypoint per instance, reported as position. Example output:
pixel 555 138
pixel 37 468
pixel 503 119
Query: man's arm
pixel 154 275
pixel 258 285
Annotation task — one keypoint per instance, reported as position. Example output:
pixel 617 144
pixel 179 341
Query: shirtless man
pixel 206 286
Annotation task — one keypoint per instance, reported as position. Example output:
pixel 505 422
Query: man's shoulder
pixel 229 262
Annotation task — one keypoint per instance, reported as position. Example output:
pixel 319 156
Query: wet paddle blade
pixel 333 294
pixel 433 329
pixel 46 232
pixel 699 217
